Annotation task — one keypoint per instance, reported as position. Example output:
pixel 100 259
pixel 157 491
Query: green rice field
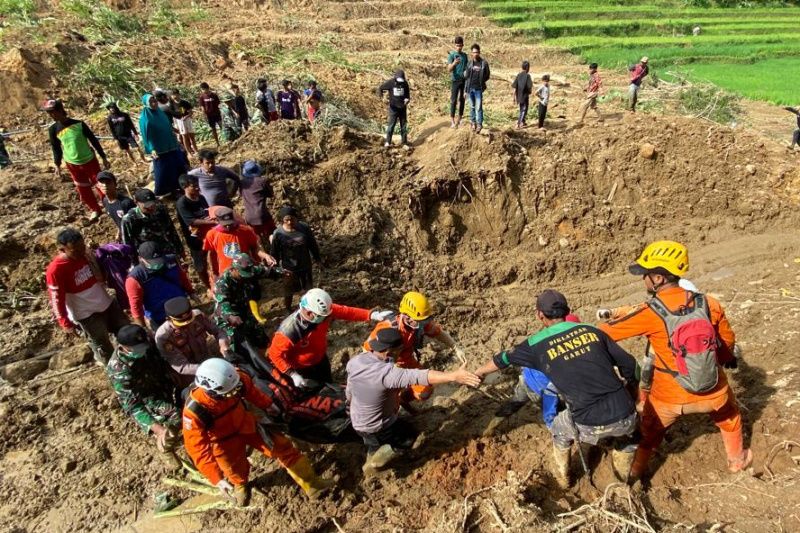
pixel 753 50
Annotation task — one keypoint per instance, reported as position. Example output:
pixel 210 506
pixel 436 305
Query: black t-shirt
pixel 118 208
pixel 294 249
pixel 188 211
pixel 579 359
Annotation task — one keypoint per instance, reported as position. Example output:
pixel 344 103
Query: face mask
pixel 156 267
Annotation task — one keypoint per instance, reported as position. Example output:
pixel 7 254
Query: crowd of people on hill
pixel 180 371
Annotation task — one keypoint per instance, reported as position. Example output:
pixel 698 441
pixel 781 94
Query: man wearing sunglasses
pixel 181 339
pixel 218 429
pixel 414 322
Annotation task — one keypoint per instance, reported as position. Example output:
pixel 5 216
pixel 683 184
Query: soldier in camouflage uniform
pixel 234 290
pixel 141 381
pixel 150 221
pixel 231 128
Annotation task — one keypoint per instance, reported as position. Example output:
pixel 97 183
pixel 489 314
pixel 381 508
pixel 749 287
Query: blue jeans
pixel 476 106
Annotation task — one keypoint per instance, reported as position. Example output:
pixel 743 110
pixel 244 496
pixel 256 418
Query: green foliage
pixel 103 22
pixel 111 74
pixel 616 33
pixel 18 11
pixel 164 20
pixel 710 102
pixel 775 80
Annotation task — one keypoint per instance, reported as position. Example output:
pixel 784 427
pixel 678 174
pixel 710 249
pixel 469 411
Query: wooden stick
pixel 191 485
pixel 222 504
pixel 496 515
pixel 338 527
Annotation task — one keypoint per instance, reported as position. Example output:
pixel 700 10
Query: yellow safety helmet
pixel 669 256
pixel 416 306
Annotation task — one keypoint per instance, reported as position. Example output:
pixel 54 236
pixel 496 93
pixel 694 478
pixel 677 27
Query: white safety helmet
pixel 217 375
pixel 318 302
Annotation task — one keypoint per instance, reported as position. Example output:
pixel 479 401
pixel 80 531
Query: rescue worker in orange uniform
pixel 661 265
pixel 299 347
pixel 415 322
pixel 217 430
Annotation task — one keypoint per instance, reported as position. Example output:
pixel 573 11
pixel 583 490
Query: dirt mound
pixel 25 80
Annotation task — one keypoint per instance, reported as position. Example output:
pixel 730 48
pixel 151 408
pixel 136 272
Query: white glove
pixel 460 353
pixel 378 316
pixel 225 487
pixel 603 314
pixel 298 380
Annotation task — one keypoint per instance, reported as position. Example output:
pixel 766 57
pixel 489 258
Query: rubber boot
pixel 304 475
pixel 378 460
pixel 621 463
pixel 241 494
pixel 639 465
pixel 738 458
pixel 561 470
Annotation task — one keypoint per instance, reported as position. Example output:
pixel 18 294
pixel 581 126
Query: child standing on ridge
pixel 123 131
pixel 543 95
pixel 209 101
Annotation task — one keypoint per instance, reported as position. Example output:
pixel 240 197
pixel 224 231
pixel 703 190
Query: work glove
pixel 225 487
pixel 379 316
pixel 603 314
pixel 299 381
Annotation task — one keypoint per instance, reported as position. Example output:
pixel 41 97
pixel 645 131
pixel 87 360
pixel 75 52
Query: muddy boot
pixel 304 475
pixel 170 460
pixel 621 463
pixel 742 463
pixel 378 460
pixel 561 470
pixel 639 465
pixel 241 495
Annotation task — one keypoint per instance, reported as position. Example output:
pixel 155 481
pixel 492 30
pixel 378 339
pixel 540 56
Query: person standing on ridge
pixel 592 91
pixel 75 144
pixel 476 74
pixel 638 73
pixel 456 63
pixel 523 86
pixel 399 97
pixel 209 102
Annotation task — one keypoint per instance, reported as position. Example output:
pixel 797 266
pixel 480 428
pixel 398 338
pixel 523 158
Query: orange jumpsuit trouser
pixel 231 454
pixel 659 415
pixel 420 392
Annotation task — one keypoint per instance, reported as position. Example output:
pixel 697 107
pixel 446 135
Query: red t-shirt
pixel 225 244
pixel 210 104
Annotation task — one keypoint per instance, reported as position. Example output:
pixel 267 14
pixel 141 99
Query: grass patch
pixel 102 22
pixel 22 12
pixel 775 80
pixel 616 33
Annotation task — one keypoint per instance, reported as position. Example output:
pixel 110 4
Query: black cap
pixel 386 339
pixel 177 306
pixel 553 304
pixel 287 211
pixel 105 175
pixel 134 338
pixel 225 216
pixel 151 250
pixel 144 196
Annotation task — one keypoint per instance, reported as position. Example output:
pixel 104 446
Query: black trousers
pixel 542 114
pixel 395 115
pixel 457 95
pixel 400 435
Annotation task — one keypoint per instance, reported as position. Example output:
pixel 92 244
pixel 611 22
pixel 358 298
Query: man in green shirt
pixel 72 142
pixel 456 62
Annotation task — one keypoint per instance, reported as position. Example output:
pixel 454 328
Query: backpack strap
pixel 663 313
pixel 202 414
